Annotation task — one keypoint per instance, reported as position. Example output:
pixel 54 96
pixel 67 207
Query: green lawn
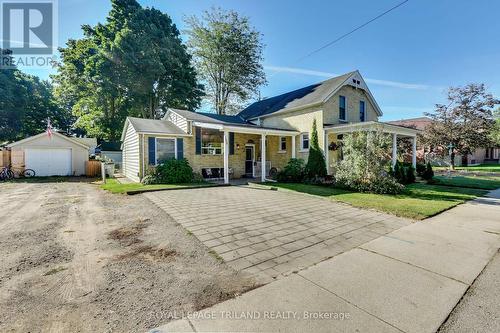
pixel 113 186
pixel 475 168
pixel 481 182
pixel 419 201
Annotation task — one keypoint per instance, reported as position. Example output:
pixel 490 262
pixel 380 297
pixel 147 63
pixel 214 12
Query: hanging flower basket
pixel 334 146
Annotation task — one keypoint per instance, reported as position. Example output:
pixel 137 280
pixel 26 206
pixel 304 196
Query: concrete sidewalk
pixel 407 281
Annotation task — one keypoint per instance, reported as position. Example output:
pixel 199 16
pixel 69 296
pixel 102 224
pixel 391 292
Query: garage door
pixel 49 162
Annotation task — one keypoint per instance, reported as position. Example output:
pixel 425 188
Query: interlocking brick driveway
pixel 272 233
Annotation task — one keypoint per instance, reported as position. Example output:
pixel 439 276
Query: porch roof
pixel 247 129
pixel 372 125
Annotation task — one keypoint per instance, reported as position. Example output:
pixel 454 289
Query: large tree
pixel 495 132
pixel 25 104
pixel 464 123
pixel 228 55
pixel 132 65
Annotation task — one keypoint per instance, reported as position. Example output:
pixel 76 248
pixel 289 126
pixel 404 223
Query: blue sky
pixel 409 57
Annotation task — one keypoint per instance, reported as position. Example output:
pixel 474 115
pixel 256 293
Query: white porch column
pixel 263 157
pixel 394 149
pixel 226 157
pixel 414 152
pixel 327 153
pixel 294 153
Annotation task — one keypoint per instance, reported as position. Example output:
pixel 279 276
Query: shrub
pixel 292 172
pixel 429 173
pixel 316 166
pixel 365 163
pixel 420 169
pixel 404 173
pixel 170 172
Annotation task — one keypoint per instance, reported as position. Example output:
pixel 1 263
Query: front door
pixel 249 160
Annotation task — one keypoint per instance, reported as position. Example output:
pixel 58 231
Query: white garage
pixel 49 161
pixel 55 155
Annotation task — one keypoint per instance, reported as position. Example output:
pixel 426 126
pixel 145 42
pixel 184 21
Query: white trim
pixel 164 134
pixel 294 148
pixel 226 157
pixel 372 125
pixel 31 138
pixel 263 158
pixel 156 147
pixel 394 150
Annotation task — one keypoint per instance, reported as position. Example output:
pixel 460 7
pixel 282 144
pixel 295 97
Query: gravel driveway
pixel 269 234
pixel 78 259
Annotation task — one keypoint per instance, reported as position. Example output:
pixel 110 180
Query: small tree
pixel 366 163
pixel 495 132
pixel 316 166
pixel 228 53
pixel 464 124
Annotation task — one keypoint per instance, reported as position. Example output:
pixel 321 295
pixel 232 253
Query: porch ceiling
pixel 372 125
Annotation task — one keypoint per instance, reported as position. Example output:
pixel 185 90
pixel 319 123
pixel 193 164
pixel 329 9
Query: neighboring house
pixel 111 151
pixel 480 156
pixel 58 155
pixel 262 137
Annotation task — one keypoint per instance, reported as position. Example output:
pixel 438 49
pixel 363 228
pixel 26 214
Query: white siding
pixel 131 153
pixel 178 120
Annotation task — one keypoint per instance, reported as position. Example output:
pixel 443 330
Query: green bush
pixel 428 173
pixel 316 166
pixel 420 169
pixel 404 173
pixel 364 165
pixel 170 172
pixel 293 172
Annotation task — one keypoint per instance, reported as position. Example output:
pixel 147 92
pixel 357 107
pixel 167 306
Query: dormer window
pixel 342 108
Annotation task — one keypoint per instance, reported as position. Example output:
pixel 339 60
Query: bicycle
pixel 6 173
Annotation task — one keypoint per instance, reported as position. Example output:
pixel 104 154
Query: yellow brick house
pixel 262 138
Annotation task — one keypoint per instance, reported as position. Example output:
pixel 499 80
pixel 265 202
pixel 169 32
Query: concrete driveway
pixel 272 233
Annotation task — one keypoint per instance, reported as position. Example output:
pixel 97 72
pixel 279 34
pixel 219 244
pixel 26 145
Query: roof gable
pixel 307 96
pixel 34 137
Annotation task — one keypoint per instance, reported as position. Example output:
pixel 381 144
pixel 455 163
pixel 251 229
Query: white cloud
pixel 394 84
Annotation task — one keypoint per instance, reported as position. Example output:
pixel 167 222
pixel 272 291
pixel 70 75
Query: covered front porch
pixel 247 151
pixel 334 133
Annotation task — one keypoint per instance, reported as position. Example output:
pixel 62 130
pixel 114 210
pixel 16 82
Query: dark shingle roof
pixel 154 126
pixel 315 93
pixel 211 117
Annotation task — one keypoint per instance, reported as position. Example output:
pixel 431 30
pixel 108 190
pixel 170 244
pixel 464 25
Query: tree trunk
pixel 452 162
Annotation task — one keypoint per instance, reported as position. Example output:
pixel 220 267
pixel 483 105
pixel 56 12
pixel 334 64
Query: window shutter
pixel 231 143
pixel 198 140
pixel 152 150
pixel 180 148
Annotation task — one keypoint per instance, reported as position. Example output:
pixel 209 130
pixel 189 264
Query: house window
pixel 342 115
pixel 304 141
pixel 211 141
pixel 282 146
pixel 165 150
pixel 362 112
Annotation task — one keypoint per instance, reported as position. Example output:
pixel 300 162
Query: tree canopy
pixel 25 104
pixel 464 124
pixel 228 53
pixel 495 132
pixel 132 65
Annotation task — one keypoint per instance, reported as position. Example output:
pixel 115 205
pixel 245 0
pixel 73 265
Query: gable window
pixel 304 141
pixel 165 150
pixel 282 147
pixel 342 108
pixel 211 141
pixel 362 112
